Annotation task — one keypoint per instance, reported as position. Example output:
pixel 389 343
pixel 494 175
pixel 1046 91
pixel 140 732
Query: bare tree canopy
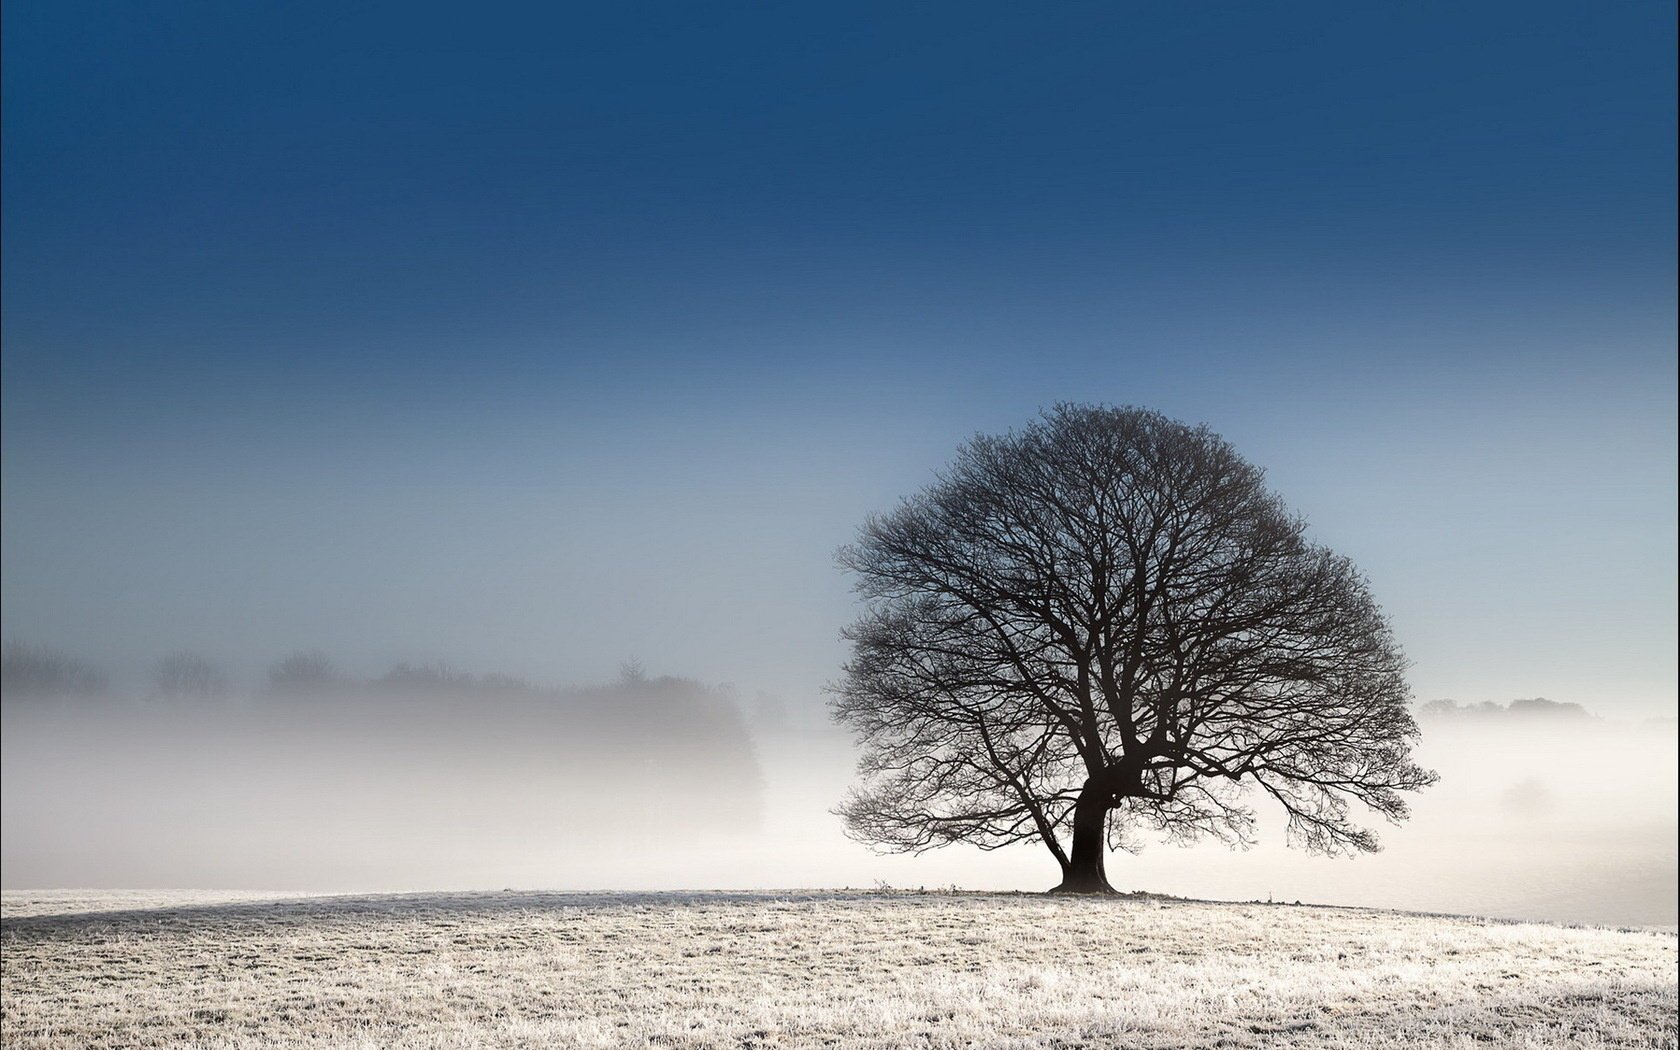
pixel 302 672
pixel 186 675
pixel 1105 624
pixel 36 672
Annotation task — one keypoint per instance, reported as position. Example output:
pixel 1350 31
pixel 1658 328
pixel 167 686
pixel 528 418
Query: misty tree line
pixel 314 770
pixel 1533 709
pixel 417 747
pixel 413 707
pixel 41 673
pixel 686 727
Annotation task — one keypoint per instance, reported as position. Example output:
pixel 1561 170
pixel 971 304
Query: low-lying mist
pixel 428 778
pixel 422 777
pixel 1543 811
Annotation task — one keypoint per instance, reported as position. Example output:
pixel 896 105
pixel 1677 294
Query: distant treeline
pixel 34 672
pixel 392 768
pixel 38 672
pixel 409 701
pixel 1537 709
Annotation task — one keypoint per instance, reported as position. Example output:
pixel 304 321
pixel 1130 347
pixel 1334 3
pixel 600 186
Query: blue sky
pixel 535 337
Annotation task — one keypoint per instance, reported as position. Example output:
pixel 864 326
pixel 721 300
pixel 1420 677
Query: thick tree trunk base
pixel 1085 885
pixel 1083 870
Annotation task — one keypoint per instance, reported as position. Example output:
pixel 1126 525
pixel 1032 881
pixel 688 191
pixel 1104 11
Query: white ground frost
pixel 841 970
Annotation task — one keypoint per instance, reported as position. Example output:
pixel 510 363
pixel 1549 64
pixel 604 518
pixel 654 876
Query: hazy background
pixel 427 777
pixel 531 341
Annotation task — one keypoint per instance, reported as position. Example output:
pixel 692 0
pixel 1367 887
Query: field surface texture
pixel 844 970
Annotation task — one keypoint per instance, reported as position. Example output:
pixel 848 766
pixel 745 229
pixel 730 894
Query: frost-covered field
pixel 809 969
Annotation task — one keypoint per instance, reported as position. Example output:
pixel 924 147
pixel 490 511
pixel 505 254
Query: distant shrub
pixel 302 672
pixel 1540 707
pixel 188 676
pixel 36 671
pixel 429 677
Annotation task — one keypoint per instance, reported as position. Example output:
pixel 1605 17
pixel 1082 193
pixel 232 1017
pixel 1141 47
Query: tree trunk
pixel 1084 872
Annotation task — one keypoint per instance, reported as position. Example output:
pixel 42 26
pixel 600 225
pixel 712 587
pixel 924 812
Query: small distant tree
pixel 427 677
pixel 188 676
pixel 302 671
pixel 36 671
pixel 1104 624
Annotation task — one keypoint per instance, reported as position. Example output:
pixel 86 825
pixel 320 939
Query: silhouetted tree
pixel 188 676
pixel 302 672
pixel 36 671
pixel 1105 623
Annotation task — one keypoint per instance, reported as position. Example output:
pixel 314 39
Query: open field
pixel 845 970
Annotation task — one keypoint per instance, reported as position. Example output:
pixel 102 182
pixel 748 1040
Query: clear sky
pixel 534 338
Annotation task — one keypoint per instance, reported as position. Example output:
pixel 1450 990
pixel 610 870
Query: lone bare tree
pixel 1104 624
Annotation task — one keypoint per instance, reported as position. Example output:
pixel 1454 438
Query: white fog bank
pixel 1544 813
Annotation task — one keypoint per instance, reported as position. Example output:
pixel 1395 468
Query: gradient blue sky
pixel 532 338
